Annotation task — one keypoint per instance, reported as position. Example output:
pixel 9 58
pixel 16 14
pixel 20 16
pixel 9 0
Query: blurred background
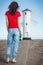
pixel 36 22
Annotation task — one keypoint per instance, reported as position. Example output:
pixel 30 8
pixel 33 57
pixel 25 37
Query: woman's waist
pixel 15 26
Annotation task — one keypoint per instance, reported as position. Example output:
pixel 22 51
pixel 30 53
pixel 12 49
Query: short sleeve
pixel 18 14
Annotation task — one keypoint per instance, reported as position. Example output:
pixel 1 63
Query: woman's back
pixel 13 19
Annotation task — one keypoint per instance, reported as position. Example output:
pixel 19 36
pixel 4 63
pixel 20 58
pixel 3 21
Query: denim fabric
pixel 13 38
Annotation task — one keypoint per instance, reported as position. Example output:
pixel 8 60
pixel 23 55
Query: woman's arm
pixel 6 21
pixel 19 26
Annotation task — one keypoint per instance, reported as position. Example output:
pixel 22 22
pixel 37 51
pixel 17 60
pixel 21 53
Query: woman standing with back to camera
pixel 14 31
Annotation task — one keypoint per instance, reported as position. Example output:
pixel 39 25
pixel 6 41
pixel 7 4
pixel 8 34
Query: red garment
pixel 13 19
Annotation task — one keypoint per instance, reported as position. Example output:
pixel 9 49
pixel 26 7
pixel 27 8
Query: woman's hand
pixel 20 34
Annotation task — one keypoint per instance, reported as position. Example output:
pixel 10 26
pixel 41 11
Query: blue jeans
pixel 13 38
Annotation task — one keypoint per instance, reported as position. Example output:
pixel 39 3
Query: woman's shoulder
pixel 7 12
pixel 18 13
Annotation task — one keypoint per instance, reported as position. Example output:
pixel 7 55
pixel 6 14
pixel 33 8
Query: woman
pixel 14 30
